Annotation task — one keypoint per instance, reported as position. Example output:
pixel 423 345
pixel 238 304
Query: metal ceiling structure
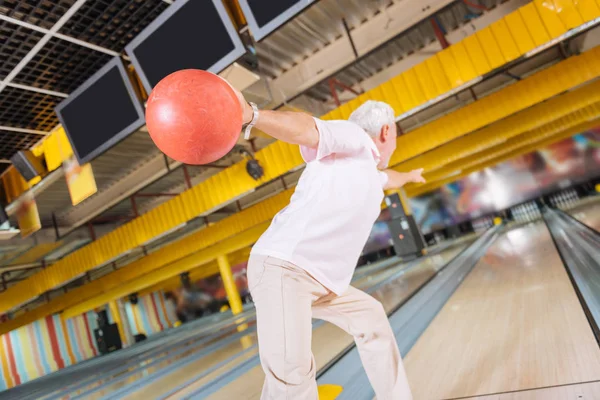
pixel 44 63
pixel 48 49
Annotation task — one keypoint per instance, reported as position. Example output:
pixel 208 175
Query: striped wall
pixel 50 344
pixel 45 346
pixel 151 315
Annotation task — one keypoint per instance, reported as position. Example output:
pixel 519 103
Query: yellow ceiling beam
pixel 36 253
pixel 252 216
pixel 507 133
pixel 507 128
pixel 514 144
pixel 201 272
pixel 185 264
pixel 174 282
pixel 502 156
pixel 477 163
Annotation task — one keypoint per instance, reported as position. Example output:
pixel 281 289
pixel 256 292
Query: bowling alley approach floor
pixel 514 324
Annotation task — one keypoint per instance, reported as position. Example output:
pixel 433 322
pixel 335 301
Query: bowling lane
pixel 328 340
pixel 514 324
pixel 151 381
pixel 151 367
pixel 226 358
pixel 588 213
pixel 582 391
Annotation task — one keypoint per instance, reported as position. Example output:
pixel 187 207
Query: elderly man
pixel 302 265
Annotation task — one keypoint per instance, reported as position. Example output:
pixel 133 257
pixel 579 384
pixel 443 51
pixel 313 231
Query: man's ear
pixel 384 133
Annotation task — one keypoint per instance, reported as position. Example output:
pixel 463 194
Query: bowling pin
pixel 570 197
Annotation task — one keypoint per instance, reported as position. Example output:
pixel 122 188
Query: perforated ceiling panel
pixel 112 23
pixel 11 142
pixel 31 89
pixel 61 66
pixel 43 13
pixel 24 109
pixel 15 43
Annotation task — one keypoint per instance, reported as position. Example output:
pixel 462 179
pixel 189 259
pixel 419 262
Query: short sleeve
pixel 337 137
pixel 384 178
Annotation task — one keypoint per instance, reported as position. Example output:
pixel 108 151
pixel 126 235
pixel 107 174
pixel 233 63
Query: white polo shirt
pixel 331 213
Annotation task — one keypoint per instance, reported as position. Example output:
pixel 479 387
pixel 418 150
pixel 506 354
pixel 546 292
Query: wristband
pixel 252 122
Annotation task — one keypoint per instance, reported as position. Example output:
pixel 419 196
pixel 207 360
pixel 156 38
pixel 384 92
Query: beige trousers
pixel 286 297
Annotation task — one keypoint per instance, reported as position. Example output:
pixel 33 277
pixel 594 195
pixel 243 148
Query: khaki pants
pixel 286 297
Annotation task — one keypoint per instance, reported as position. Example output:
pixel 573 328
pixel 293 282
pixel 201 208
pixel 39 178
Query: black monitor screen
pixel 194 34
pixel 266 16
pixel 101 112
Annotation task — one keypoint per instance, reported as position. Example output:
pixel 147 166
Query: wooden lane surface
pixel 589 215
pixel 329 340
pixel 514 324
pixel 582 391
pixel 163 385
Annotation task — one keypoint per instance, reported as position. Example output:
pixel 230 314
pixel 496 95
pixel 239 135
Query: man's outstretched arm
pixel 396 179
pixel 288 126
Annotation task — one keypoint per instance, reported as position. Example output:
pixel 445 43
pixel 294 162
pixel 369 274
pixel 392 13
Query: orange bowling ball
pixel 194 116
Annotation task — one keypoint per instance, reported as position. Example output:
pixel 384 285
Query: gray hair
pixel 372 116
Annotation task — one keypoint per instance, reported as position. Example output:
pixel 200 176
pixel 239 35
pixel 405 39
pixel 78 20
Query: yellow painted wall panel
pixel 567 12
pixel 534 24
pixel 463 61
pixel 426 81
pixel 588 9
pixel 392 98
pixel 404 96
pixel 518 29
pixel 335 114
pixel 490 47
pixel 438 76
pixel 376 93
pixel 506 42
pixel 477 55
pixel 345 111
pixel 51 153
pixel 414 87
pixel 450 67
pixel 534 89
pixel 552 22
pixel 354 104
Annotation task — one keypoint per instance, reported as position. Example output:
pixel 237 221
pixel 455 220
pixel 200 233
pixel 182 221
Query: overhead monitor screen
pixel 190 34
pixel 266 16
pixel 101 112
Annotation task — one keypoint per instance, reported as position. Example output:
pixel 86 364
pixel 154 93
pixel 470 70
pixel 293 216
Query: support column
pixel 116 315
pixel 126 323
pixel 233 295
